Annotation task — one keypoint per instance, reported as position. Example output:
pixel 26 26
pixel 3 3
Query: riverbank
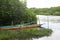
pixel 24 33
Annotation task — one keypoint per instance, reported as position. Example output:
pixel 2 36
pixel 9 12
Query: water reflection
pixel 54 36
pixel 54 24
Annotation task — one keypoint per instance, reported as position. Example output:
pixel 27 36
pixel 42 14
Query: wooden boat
pixel 22 27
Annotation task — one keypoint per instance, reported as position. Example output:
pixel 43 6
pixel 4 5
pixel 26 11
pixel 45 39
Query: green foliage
pixel 24 33
pixel 41 11
pixel 14 12
pixel 47 11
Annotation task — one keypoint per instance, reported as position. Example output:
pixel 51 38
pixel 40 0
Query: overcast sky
pixel 43 3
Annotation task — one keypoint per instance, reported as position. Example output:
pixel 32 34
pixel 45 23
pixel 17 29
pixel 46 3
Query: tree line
pixel 46 11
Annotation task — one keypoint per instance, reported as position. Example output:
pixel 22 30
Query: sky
pixel 42 3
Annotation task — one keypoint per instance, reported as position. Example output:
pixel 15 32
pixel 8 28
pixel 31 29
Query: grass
pixel 24 33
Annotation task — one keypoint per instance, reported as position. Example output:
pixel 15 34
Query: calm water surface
pixel 51 22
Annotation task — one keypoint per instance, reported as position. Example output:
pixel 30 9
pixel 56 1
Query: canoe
pixel 22 27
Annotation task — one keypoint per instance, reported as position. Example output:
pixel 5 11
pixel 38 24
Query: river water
pixel 51 22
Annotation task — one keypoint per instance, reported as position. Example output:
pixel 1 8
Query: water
pixel 51 22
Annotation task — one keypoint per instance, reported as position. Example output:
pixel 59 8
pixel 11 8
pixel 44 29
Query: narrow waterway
pixel 51 22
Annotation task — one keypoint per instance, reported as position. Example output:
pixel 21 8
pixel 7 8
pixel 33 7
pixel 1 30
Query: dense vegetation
pixel 24 33
pixel 46 11
pixel 15 12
